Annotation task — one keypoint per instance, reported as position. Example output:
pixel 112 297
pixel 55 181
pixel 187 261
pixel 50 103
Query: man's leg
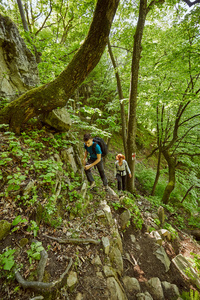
pixel 102 173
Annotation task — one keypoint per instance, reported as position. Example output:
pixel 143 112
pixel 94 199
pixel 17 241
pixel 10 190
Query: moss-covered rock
pixel 4 228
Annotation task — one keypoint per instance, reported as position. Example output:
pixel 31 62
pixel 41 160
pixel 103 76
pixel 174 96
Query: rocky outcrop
pixel 18 66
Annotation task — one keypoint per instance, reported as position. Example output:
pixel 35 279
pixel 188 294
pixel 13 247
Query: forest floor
pixel 86 227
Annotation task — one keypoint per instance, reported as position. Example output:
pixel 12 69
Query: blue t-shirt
pixel 97 150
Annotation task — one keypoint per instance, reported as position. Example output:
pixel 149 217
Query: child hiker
pixel 120 171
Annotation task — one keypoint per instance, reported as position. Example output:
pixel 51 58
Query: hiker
pixel 120 171
pixel 95 159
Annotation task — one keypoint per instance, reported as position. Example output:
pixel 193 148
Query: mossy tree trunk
pixel 132 124
pixel 121 97
pixel 56 93
pixel 171 161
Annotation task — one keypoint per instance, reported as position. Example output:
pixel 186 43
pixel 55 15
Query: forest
pixel 128 71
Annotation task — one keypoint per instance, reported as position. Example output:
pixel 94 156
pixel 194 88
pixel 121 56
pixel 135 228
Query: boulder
pixel 19 68
pixel 58 118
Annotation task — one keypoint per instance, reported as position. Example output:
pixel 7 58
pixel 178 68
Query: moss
pixel 5 227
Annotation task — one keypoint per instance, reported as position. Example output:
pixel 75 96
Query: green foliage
pixel 191 295
pixel 33 227
pixel 7 259
pixel 34 251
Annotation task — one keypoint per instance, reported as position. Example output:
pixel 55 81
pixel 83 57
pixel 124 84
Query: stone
pixel 133 239
pixel 155 288
pixel 131 284
pixel 20 72
pixel 5 227
pixel 165 233
pixel 171 291
pixel 185 268
pixel 23 242
pixel 125 219
pixel 157 237
pixel 116 259
pixel 116 292
pixel 162 256
pixel 58 118
pixel 161 215
pixel 67 156
pixel 106 208
pixel 96 260
pixel 79 296
pixel 116 238
pixel 144 296
pixel 106 244
pixel 72 280
pixel 108 271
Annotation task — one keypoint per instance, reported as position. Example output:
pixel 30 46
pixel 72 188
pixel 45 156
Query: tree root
pixel 74 241
pixel 38 285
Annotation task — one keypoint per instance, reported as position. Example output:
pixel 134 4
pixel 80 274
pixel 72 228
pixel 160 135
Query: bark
pixel 157 174
pixel 121 97
pixel 132 124
pixel 172 172
pixel 56 93
pixel 21 10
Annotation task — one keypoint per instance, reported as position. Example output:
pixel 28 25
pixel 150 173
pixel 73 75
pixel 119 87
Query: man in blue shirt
pixel 94 160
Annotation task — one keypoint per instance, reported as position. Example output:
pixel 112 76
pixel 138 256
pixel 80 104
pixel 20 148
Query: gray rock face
pixel 18 67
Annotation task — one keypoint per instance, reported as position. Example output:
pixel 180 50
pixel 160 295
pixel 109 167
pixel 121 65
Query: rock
pixel 107 212
pixel 116 238
pixel 165 233
pixel 125 219
pixel 72 280
pixel 116 259
pixel 133 239
pixel 96 260
pixel 23 242
pixel 106 244
pixel 185 268
pixel 115 290
pixel 131 284
pixel 162 256
pixel 144 296
pixel 29 187
pixel 155 288
pixel 67 156
pixel 19 66
pixel 108 271
pixel 5 227
pixel 58 118
pixel 170 290
pixel 79 296
pixel 157 237
pixel 161 215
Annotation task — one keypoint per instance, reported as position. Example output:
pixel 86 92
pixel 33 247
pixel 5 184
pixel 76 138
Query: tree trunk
pixel 172 176
pixel 120 93
pixel 132 124
pixel 21 10
pixel 56 93
pixel 157 174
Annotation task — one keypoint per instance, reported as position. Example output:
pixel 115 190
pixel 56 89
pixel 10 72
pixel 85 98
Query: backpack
pixel 102 144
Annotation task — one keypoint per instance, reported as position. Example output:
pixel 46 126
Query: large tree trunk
pixel 120 93
pixel 56 93
pixel 132 124
pixel 172 176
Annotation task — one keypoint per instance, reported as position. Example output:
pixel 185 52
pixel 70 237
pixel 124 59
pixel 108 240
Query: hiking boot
pixel 92 185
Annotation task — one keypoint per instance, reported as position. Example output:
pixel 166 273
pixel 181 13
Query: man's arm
pixel 94 163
